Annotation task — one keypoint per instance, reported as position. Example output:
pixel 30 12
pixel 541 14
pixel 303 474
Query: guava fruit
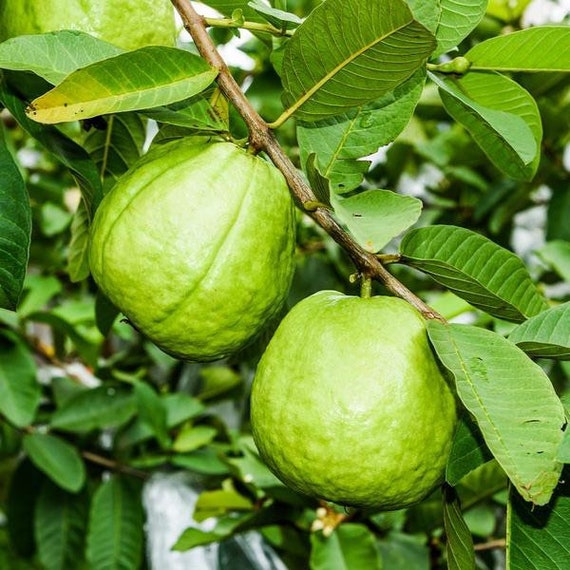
pixel 129 24
pixel 195 245
pixel 349 405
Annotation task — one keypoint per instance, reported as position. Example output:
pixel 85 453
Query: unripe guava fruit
pixel 348 403
pixel 195 245
pixel 129 24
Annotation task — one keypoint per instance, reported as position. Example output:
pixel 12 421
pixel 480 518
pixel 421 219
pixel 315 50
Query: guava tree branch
pixel 262 138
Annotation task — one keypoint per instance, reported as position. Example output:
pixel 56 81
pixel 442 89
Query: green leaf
pixel 547 335
pixel 54 55
pixel 77 254
pixel 115 535
pixel 458 19
pixel 374 217
pixel 59 460
pixel 15 229
pixel 192 537
pixel 507 10
pixel 349 546
pixel 350 52
pixel 500 115
pixel 557 254
pixel 60 525
pixel 99 408
pixel 123 83
pixel 217 380
pixel 541 48
pixel 152 412
pixel 20 392
pixel 205 461
pixel 278 18
pixel 564 450
pixel 513 401
pixel 218 502
pixel 39 290
pixel 427 13
pixel 476 269
pixel 538 536
pixel 459 544
pixel 228 7
pixel 190 438
pixel 401 550
pixel 341 142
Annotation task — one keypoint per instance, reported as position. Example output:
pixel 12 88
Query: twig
pixel 113 465
pixel 262 138
pixel 245 25
pixel 498 543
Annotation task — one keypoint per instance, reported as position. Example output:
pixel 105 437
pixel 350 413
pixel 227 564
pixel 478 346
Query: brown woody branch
pixel 262 138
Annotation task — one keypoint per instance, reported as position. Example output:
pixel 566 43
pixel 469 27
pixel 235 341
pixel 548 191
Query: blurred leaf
pixel 123 83
pixel 218 502
pixel 374 217
pixel 564 450
pixel 152 412
pixel 557 254
pixel 204 461
pixel 115 534
pixel 500 115
pixel 540 48
pixel 59 460
pixel 401 550
pixel 15 228
pixel 190 438
pixel 341 142
pixel 60 522
pixel 250 468
pixel 476 269
pixel 348 53
pixel 459 543
pixel 77 254
pixel 20 392
pixel 467 452
pixel 105 313
pixel 513 401
pixel 228 7
pixel 217 380
pixel 538 537
pixel 54 55
pixel 349 546
pixel 192 537
pixel 98 408
pixel 547 335
pixel 481 484
pixel 39 290
pixel 507 10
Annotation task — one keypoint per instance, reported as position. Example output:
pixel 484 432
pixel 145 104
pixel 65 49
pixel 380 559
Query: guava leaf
pixel 59 460
pixel 427 13
pixel 349 546
pixel 54 55
pixel 152 412
pixel 15 229
pixel 541 48
pixel 219 502
pixel 458 19
pixel 507 10
pixel 190 438
pixel 538 536
pixel 557 254
pixel 500 115
pixel 350 52
pixel 476 269
pixel 60 524
pixel 512 399
pixel 116 521
pixel 546 335
pixel 20 392
pixel 341 142
pixel 78 250
pixel 564 450
pixel 374 217
pixel 459 543
pixel 228 7
pixel 278 18
pixel 141 79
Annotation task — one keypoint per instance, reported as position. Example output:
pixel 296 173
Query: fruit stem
pixel 245 25
pixel 365 287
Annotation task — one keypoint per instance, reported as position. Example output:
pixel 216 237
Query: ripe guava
pixel 349 405
pixel 195 245
pixel 129 24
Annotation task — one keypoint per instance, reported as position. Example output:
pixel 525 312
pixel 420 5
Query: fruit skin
pixel 348 403
pixel 129 24
pixel 195 245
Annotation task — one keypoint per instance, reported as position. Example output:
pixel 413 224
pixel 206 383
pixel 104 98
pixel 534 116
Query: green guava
pixel 195 245
pixel 129 24
pixel 349 405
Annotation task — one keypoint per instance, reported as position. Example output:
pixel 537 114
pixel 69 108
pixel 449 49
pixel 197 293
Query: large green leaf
pixel 341 142
pixel 539 537
pixel 60 525
pixel 15 229
pixel 458 19
pixel 349 546
pixel 459 543
pixel 20 392
pixel 513 401
pixel 500 115
pixel 54 55
pixel 547 335
pixel 351 52
pixel 115 535
pixel 476 269
pixel 148 77
pixel 59 460
pixel 541 48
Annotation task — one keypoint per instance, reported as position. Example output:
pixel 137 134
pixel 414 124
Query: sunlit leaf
pixel 458 19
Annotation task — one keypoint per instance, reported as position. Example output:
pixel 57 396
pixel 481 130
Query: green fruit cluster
pixel 348 403
pixel 195 245
pixel 129 24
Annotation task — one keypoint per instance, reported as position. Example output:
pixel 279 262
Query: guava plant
pixel 410 380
